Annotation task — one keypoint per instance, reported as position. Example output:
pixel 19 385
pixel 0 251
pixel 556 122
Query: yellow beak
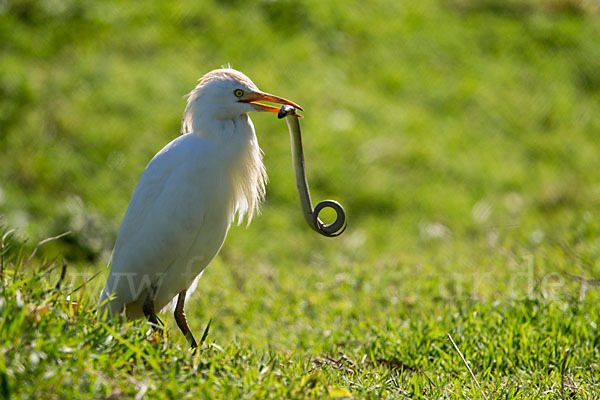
pixel 254 98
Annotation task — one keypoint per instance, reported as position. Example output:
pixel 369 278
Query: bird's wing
pixel 165 215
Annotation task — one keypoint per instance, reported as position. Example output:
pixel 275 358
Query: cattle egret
pixel 187 198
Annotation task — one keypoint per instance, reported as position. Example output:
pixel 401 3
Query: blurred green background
pixel 461 136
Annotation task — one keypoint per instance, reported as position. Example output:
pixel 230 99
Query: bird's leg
pixel 182 320
pixel 148 308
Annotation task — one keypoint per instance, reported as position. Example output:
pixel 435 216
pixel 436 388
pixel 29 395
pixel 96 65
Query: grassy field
pixel 461 136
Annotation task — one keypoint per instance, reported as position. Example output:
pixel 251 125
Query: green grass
pixel 460 136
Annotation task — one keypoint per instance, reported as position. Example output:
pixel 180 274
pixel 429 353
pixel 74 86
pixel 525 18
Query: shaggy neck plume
pixel 248 177
pixel 237 143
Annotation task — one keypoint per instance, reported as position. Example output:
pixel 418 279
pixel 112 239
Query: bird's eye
pixel 238 93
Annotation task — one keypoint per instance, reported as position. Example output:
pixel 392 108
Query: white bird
pixel 187 198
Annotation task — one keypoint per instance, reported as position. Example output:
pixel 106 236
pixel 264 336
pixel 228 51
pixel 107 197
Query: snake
pixel 311 215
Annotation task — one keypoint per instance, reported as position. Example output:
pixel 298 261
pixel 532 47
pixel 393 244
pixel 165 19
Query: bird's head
pixel 227 94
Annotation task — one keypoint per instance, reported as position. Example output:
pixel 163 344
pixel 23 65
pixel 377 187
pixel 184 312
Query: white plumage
pixel 188 195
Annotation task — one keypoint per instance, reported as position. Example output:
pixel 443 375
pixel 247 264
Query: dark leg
pixel 148 308
pixel 182 320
